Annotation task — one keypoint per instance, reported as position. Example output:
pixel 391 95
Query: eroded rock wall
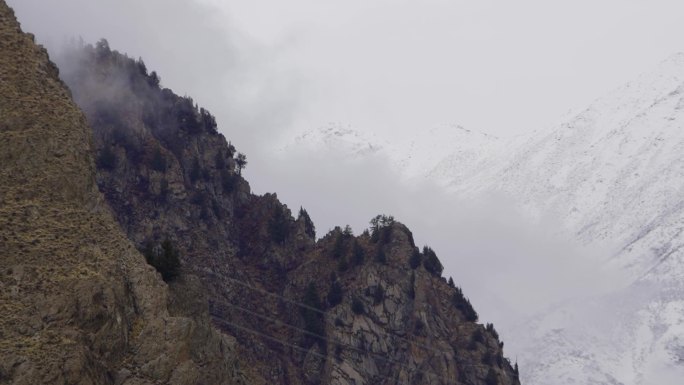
pixel 78 303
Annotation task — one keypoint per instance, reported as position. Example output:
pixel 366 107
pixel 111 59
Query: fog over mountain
pixel 420 111
pixel 609 178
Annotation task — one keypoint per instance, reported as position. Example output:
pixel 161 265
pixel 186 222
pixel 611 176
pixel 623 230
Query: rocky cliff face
pixel 78 303
pixel 368 309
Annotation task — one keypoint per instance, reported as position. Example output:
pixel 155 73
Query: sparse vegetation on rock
pixel 279 225
pixel 309 227
pixel 248 267
pixel 431 262
pixel 313 319
pixel 79 304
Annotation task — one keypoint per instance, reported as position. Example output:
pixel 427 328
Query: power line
pixel 244 284
pixel 461 362
pixel 339 343
pixel 322 337
pixel 304 350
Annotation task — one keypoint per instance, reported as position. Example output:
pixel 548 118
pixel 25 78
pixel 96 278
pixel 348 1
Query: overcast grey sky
pixel 385 65
pixel 499 66
pixel 267 68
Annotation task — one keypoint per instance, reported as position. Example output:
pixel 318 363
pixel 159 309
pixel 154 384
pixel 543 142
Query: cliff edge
pixel 78 303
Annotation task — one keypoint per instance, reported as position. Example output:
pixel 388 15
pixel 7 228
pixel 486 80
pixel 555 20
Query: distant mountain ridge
pixel 611 170
pixel 340 137
pixel 424 154
pixel 613 176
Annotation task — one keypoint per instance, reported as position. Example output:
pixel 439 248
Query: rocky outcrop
pixel 78 303
pixel 367 309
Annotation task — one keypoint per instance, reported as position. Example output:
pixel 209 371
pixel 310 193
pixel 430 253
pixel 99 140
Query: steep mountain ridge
pixel 346 309
pixel 79 305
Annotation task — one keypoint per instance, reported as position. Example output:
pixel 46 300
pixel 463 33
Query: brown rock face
pixel 368 309
pixel 78 303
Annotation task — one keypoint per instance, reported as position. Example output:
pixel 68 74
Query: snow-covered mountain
pixel 613 175
pixel 336 137
pixel 442 147
pixel 418 156
pixel 614 172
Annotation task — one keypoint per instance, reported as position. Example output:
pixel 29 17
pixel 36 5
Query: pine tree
pixel 158 162
pixel 342 264
pixel 228 181
pixel 279 225
pixel 309 227
pixel 416 259
pixel 492 331
pixel 335 294
pixel 313 319
pixel 338 246
pixel 219 161
pixel 463 305
pixel 431 262
pixel 154 80
pixel 240 162
pixel 195 171
pixel 231 150
pixel 380 256
pixel 358 254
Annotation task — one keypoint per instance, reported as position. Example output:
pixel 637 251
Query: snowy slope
pixel 458 149
pixel 614 172
pixel 464 148
pixel 614 175
pixel 632 336
pixel 336 137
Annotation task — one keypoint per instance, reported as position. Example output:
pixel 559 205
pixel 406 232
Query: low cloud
pixel 195 48
pixel 507 263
